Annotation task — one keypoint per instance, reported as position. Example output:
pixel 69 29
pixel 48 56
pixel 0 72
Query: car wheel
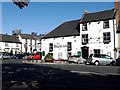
pixel 96 63
pixel 85 62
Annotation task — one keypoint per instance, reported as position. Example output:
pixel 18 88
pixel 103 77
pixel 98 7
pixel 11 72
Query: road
pixel 25 76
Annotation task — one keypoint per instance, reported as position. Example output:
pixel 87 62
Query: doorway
pixel 85 52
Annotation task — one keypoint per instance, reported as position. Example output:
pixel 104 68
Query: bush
pixel 49 57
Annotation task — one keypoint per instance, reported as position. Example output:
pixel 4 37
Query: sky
pixel 43 17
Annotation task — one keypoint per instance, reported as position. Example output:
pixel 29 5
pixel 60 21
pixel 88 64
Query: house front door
pixel 85 52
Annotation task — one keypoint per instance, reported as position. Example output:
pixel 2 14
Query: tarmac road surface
pixel 25 76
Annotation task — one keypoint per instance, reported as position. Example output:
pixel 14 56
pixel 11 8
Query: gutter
pixel 114 39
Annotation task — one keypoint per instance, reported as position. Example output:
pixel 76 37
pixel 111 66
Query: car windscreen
pixel 106 56
pixel 75 56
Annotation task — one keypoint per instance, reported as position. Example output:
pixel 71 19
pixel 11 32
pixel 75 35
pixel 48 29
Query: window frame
pixel 106 24
pixel 106 37
pixel 50 47
pixel 69 46
pixel 84 27
pixel 85 38
pixel 97 50
pixel 6 44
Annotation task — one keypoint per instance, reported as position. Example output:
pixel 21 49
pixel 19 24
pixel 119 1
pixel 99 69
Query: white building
pixel 62 41
pixel 30 42
pixel 98 32
pixel 10 44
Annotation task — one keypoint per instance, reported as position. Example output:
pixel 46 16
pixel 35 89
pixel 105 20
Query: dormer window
pixel 106 24
pixel 84 27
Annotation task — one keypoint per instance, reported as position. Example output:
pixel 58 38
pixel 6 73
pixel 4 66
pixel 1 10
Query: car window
pixel 106 56
pixel 97 55
pixel 75 56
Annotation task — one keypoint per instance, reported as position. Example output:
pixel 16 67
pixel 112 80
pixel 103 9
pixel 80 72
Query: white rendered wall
pixel 61 42
pixel 95 31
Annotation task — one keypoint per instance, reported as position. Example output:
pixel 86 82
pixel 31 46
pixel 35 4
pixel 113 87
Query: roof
pixel 98 16
pixel 8 38
pixel 68 28
pixel 30 36
pixel 27 36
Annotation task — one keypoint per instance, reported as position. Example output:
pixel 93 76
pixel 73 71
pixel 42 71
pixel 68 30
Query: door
pixel 85 52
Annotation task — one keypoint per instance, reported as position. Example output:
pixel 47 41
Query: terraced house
pixel 10 44
pixel 97 32
pixel 30 42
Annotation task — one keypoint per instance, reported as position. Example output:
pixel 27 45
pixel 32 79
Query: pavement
pixel 42 62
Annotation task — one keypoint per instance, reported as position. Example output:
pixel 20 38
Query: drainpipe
pixel 114 40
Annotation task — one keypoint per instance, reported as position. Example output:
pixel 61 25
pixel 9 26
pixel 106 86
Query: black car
pixel 118 61
pixel 17 56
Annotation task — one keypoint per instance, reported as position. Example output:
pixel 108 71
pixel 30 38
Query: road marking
pixel 97 73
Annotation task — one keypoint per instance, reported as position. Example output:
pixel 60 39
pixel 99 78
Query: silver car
pixel 100 59
pixel 4 55
pixel 75 59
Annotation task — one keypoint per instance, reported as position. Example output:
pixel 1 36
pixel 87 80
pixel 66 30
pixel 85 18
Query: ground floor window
pixel 60 55
pixel 69 54
pixel 96 51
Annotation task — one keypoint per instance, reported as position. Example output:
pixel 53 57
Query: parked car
pixel 75 59
pixel 35 56
pixel 118 61
pixel 100 59
pixel 17 56
pixel 4 55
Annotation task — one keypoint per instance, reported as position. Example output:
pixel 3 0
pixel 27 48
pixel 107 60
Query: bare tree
pixel 21 3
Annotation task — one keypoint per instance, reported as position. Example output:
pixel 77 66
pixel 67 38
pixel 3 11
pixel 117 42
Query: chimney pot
pixel 116 4
pixel 86 12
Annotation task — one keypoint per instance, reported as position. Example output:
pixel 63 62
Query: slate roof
pixel 8 38
pixel 30 36
pixel 98 16
pixel 68 28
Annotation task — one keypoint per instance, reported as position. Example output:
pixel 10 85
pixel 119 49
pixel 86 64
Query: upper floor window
pixel 106 37
pixel 69 46
pixel 84 27
pixel 17 45
pixel 25 41
pixel 30 41
pixel 50 47
pixel 6 44
pixel 106 24
pixel 84 38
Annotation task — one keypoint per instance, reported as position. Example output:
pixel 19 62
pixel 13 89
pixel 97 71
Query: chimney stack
pixel 86 12
pixel 116 7
pixel 116 4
